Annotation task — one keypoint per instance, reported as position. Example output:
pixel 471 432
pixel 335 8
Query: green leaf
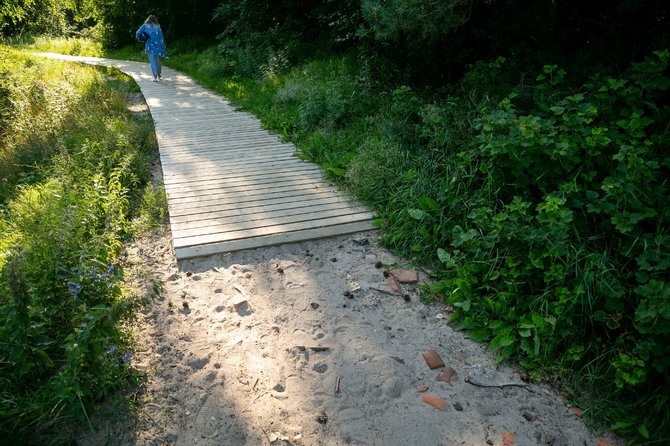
pixel 642 429
pixel 428 203
pixel 480 334
pixel 443 255
pixel 417 214
pixel 465 305
pixel 504 339
pixel 337 171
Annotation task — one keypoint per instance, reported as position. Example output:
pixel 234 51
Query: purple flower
pixel 126 357
pixel 74 288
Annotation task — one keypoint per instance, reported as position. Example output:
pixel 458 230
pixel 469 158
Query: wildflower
pixel 111 349
pixel 126 357
pixel 74 289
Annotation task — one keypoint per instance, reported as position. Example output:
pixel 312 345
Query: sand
pixel 316 343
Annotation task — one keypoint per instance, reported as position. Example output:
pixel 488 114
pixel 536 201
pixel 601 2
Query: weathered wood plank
pixel 248 222
pixel 188 252
pixel 203 218
pixel 238 234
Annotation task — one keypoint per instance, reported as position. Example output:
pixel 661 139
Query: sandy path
pixel 307 344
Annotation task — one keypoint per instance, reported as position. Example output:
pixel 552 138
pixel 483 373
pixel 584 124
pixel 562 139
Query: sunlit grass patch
pixel 75 162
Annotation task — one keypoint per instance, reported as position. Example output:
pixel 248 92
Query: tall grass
pixel 74 163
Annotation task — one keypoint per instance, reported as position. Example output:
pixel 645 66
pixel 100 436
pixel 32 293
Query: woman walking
pixel 150 32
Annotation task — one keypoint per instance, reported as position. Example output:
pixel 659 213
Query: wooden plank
pixel 191 220
pixel 188 252
pixel 215 145
pixel 265 215
pixel 225 159
pixel 175 203
pixel 230 167
pixel 263 219
pixel 214 138
pixel 180 242
pixel 243 181
pixel 205 209
pixel 244 189
pixel 178 181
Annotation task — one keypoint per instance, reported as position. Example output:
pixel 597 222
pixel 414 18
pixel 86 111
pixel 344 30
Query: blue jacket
pixel 153 35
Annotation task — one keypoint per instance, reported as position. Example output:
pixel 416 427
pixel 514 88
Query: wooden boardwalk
pixel 230 184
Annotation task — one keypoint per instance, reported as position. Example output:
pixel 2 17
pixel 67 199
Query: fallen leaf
pixel 422 388
pixel 432 359
pixel 602 442
pixel 437 402
pixel 508 439
pixel 447 375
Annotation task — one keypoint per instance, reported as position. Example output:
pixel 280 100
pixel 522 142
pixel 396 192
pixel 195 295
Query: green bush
pixel 560 251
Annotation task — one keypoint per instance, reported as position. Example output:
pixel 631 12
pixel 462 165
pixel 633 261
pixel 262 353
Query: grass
pixel 74 186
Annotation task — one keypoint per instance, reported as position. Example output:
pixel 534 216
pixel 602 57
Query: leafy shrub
pixel 560 250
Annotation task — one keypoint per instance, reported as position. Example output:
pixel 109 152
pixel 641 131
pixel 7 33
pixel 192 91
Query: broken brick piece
pixel 239 303
pixel 393 284
pixel 447 375
pixel 432 359
pixel 405 275
pixel 437 402
pixel 508 439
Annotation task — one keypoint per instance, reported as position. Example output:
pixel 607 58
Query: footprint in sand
pixel 294 285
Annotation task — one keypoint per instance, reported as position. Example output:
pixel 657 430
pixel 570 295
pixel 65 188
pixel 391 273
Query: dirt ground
pixel 318 343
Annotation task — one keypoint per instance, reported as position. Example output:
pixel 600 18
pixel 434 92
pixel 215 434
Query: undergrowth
pixel 74 163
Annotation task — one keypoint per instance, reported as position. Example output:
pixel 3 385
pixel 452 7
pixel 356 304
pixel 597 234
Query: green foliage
pixel 423 20
pixel 561 249
pixel 65 212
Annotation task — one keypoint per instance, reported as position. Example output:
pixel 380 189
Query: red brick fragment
pixel 393 284
pixel 405 275
pixel 437 402
pixel 508 439
pixel 447 375
pixel 432 359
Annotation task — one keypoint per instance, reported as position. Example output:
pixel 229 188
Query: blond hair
pixel 152 19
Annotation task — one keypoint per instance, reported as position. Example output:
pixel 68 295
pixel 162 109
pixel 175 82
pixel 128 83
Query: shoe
pixel 155 79
pixel 160 77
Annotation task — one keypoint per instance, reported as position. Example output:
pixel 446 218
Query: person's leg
pixel 152 62
pixel 159 65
